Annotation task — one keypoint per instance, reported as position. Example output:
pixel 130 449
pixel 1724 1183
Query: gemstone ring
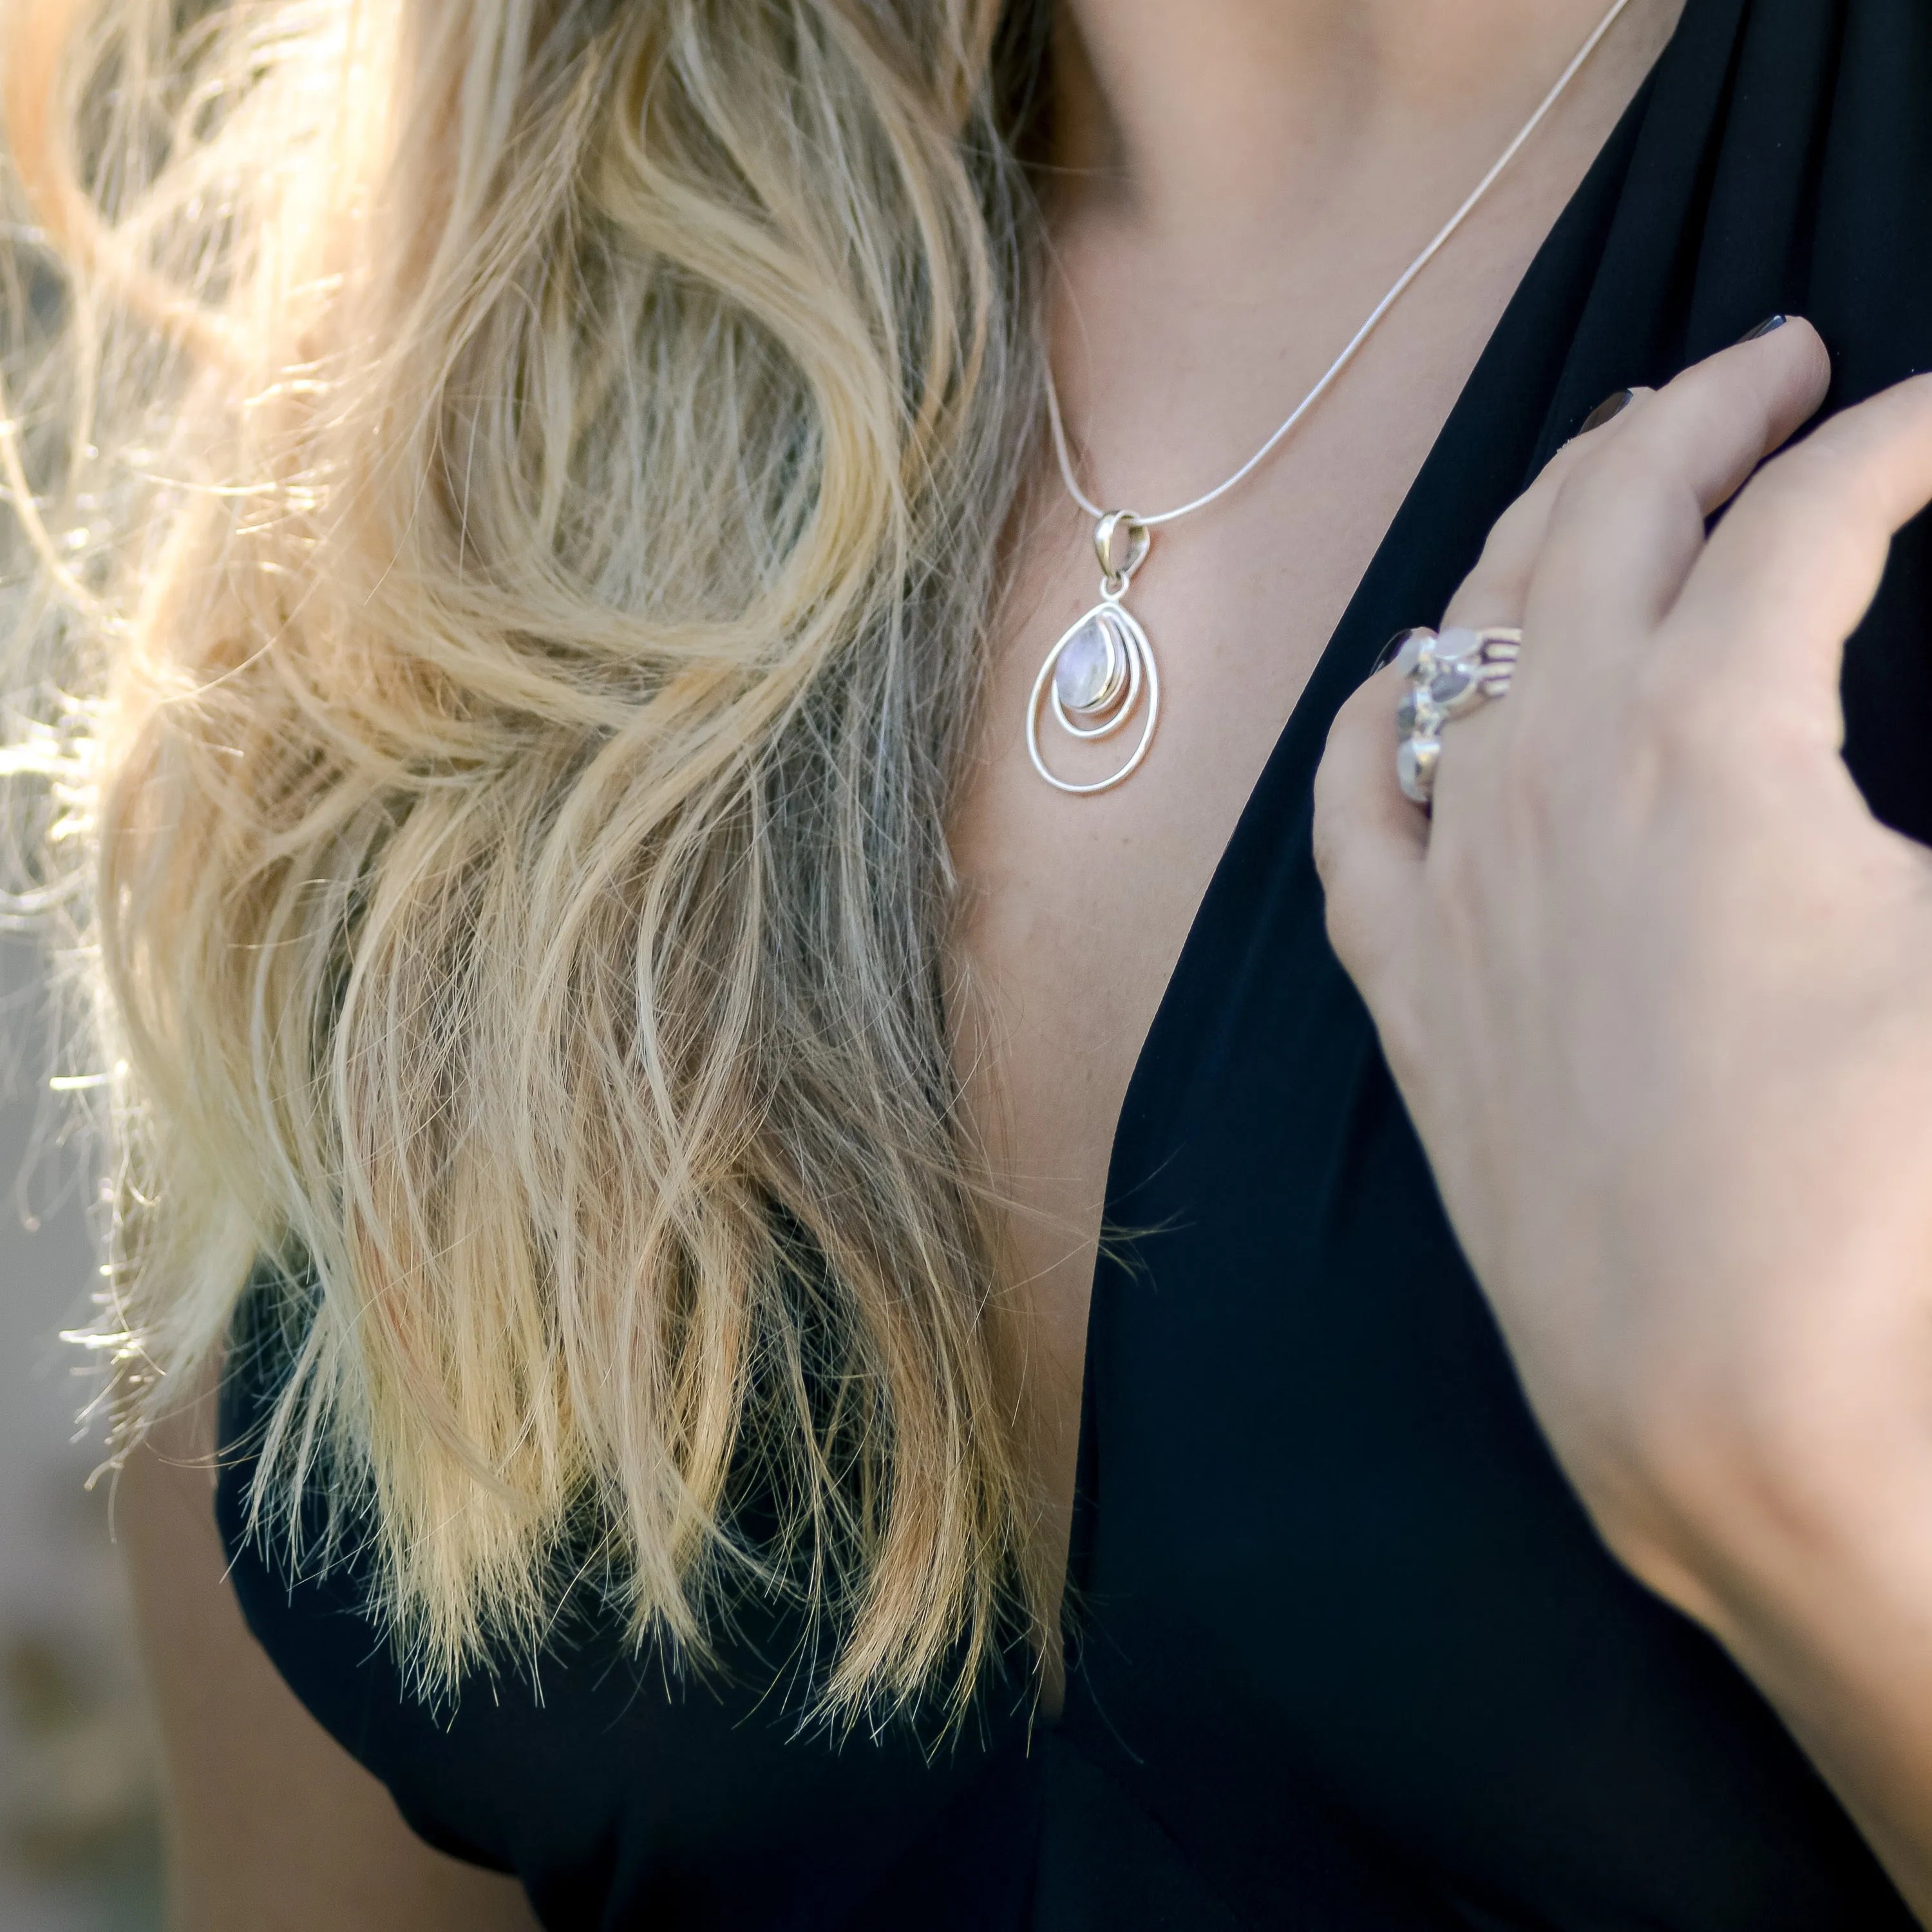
pixel 1450 673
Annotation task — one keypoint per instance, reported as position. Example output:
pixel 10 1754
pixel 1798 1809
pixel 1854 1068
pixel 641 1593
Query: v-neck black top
pixel 1350 1658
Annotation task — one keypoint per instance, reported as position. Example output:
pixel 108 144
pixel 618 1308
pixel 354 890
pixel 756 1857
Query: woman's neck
pixel 1230 197
pixel 1245 118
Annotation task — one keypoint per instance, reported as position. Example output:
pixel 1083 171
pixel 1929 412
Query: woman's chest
pixel 1076 907
pixel 1179 348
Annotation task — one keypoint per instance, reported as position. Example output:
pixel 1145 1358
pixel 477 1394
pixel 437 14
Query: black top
pixel 1351 1656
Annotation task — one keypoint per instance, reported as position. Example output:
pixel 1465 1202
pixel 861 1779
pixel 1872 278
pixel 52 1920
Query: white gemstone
pixel 1088 673
pixel 1458 642
pixel 1414 644
pixel 1415 767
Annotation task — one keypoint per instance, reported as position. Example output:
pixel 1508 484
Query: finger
pixel 1787 576
pixel 1369 844
pixel 1496 590
pixel 1629 523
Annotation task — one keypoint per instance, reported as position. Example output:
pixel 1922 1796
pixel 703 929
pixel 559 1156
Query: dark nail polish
pixel 1610 406
pixel 1764 328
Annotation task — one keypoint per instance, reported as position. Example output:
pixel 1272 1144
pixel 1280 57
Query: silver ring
pixel 1450 673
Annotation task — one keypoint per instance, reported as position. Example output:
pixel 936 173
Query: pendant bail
pixel 1121 542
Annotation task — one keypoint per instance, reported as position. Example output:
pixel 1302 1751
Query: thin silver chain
pixel 1362 334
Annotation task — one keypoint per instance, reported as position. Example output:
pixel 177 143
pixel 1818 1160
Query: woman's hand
pixel 1658 990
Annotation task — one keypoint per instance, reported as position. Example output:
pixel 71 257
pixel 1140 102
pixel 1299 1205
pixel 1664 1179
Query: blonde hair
pixel 513 493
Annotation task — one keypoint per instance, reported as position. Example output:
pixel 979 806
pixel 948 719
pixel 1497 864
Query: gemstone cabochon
pixel 1089 673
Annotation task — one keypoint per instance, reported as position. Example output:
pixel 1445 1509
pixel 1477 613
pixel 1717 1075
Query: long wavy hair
pixel 508 493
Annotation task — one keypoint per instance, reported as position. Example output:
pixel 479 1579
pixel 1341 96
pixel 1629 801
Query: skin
pixel 272 1825
pixel 1653 981
pixel 1266 175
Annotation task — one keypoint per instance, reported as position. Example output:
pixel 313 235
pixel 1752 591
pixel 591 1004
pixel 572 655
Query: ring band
pixel 1450 673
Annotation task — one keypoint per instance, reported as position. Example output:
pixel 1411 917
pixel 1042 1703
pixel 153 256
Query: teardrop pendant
pixel 1101 674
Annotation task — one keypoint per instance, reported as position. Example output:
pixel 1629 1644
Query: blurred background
pixel 79 1834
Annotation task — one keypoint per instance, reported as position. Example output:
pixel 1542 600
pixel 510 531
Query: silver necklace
pixel 1101 675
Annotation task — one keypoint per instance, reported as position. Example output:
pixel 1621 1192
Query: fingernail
pixel 1610 406
pixel 1764 328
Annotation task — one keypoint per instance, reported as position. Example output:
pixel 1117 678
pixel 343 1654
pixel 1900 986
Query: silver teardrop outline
pixel 1140 668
